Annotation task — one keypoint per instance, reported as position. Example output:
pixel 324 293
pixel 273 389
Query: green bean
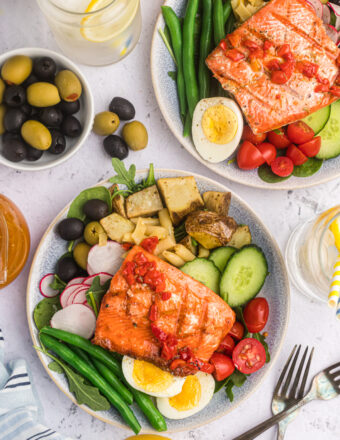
pixel 93 350
pixel 226 11
pixel 112 379
pixel 230 23
pixel 189 70
pixel 83 355
pixel 92 375
pixel 187 125
pixel 174 26
pixel 205 47
pixel 218 21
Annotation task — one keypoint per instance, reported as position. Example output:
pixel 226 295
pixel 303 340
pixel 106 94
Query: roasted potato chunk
pixel 181 196
pixel 187 242
pixel 144 203
pixel 118 202
pixel 116 226
pixel 217 202
pixel 210 229
pixel 241 237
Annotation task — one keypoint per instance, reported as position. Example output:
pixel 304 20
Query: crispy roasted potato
pixel 181 196
pixel 116 226
pixel 144 203
pixel 118 202
pixel 241 237
pixel 187 242
pixel 217 202
pixel 210 229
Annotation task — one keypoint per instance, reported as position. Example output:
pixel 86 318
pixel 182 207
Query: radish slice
pixel 317 6
pixel 332 32
pixel 45 288
pixel 106 258
pixel 80 297
pixel 326 14
pixel 77 319
pixel 77 280
pixel 336 10
pixel 103 276
pixel 67 292
pixel 74 294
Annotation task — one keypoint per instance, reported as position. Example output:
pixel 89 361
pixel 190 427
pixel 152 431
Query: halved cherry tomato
pixel 299 132
pixel 256 314
pixel 237 330
pixel 284 50
pixel 249 157
pixel 224 366
pixel 268 151
pixel 249 356
pixel 312 147
pixel 282 166
pixel 235 55
pixel 248 135
pixel 227 345
pixel 296 155
pixel 278 138
pixel 279 77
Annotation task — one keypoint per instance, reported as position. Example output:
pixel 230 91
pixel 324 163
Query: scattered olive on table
pixel 135 135
pixel 105 123
pixel 123 108
pixel 115 146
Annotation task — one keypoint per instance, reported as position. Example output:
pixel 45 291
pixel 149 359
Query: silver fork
pixel 280 401
pixel 325 386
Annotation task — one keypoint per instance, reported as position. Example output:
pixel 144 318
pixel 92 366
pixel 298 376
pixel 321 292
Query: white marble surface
pixel 41 196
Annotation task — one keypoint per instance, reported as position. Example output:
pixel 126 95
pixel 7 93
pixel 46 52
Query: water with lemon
pixel 96 32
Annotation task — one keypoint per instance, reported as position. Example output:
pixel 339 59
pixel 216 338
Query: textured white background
pixel 42 195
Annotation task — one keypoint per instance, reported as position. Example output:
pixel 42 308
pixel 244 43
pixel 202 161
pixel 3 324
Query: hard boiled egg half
pixel 217 126
pixel 146 377
pixel 196 393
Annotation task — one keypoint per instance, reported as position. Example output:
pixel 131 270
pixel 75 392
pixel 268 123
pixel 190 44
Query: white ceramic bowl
pixel 85 115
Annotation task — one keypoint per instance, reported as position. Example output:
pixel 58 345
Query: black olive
pixel 71 228
pixel 14 96
pixel 14 150
pixel 29 111
pixel 69 108
pixel 7 136
pixel 71 127
pixel 58 144
pixel 123 108
pixel 30 80
pixel 33 154
pixel 67 269
pixel 51 117
pixel 13 119
pixel 44 68
pixel 95 209
pixel 115 146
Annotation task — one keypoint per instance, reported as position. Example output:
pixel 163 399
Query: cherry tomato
pixel 299 132
pixel 224 366
pixel 256 314
pixel 249 157
pixel 312 147
pixel 237 330
pixel 296 155
pixel 235 55
pixel 282 166
pixel 278 138
pixel 249 136
pixel 268 151
pixel 249 355
pixel 279 77
pixel 227 345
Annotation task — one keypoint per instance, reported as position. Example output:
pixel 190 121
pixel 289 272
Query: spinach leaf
pixel 266 174
pixel 237 379
pixel 98 192
pixel 309 168
pixel 95 293
pixel 262 339
pixel 44 311
pixel 239 316
pixel 57 283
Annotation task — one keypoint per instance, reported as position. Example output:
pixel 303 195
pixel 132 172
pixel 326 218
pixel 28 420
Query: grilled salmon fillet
pixel 265 104
pixel 197 317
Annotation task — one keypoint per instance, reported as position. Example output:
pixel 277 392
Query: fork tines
pixel 333 373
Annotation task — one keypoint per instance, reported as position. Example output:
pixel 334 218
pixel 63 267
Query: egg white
pixel 208 150
pixel 207 391
pixel 174 387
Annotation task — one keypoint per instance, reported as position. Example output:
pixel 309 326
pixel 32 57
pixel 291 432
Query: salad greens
pixel 309 168
pixel 266 174
pixel 98 192
pixel 96 292
pixel 58 284
pixel 44 311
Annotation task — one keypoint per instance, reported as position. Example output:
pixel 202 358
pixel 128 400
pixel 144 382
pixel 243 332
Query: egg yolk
pixel 219 124
pixel 149 377
pixel 189 397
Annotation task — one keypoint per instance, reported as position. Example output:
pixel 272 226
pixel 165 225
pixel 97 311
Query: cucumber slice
pixel 203 271
pixel 244 275
pixel 330 135
pixel 220 256
pixel 318 119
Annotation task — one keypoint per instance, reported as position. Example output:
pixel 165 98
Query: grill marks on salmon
pixel 194 314
pixel 267 105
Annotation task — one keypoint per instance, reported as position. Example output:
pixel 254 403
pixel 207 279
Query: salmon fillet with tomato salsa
pixel 155 312
pixel 280 65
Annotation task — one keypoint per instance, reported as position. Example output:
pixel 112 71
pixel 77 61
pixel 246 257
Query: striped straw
pixel 334 294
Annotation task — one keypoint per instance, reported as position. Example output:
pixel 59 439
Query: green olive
pixel 135 135
pixel 68 85
pixel 36 135
pixel 16 69
pixel 2 115
pixel 92 232
pixel 42 94
pixel 2 90
pixel 80 253
pixel 105 123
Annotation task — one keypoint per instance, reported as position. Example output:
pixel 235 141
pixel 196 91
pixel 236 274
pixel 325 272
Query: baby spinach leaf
pixel 98 192
pixel 266 174
pixel 309 168
pixel 237 379
pixel 44 311
pixel 95 293
pixel 57 284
